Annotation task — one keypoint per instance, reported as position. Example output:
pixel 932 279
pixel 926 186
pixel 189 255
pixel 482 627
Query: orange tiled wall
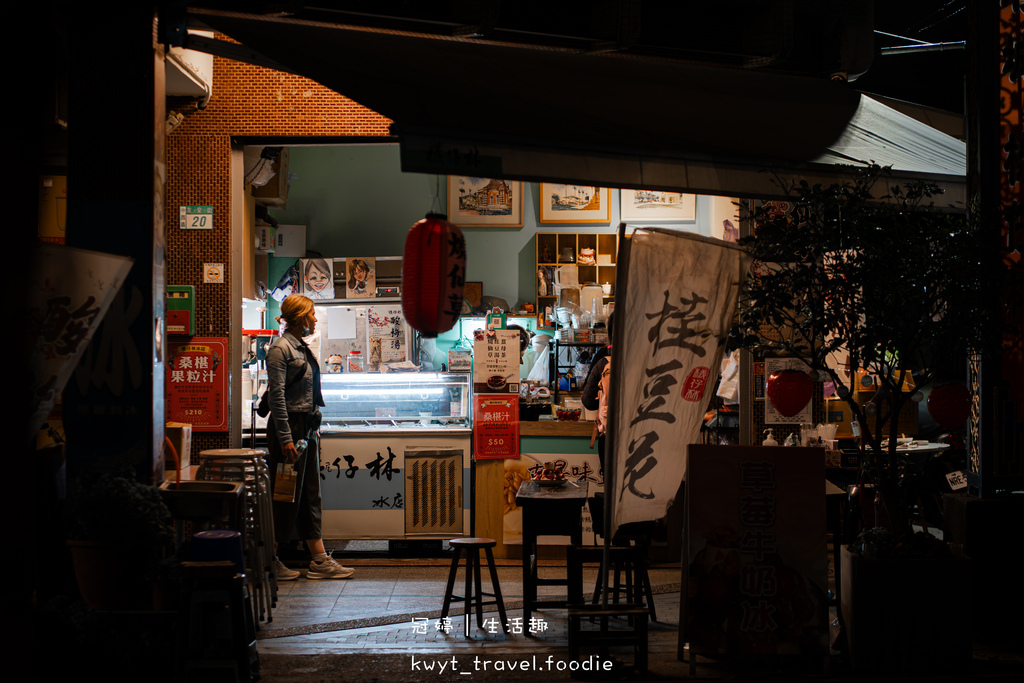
pixel 247 101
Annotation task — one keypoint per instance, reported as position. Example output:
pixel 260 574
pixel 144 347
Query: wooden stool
pixel 473 547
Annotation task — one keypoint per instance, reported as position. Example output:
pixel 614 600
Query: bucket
pixel 218 544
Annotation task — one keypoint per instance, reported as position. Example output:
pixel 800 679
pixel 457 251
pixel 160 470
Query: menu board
pixel 496 362
pixel 197 384
pixel 755 565
pixel 495 427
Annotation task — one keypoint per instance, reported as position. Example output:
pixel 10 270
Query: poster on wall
pixel 317 278
pixel 387 336
pixel 361 279
pixel 755 561
pixel 578 467
pixel 495 427
pixel 197 384
pixel 496 362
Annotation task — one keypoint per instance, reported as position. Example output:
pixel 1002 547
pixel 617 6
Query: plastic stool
pixel 219 544
pixel 473 546
pixel 220 635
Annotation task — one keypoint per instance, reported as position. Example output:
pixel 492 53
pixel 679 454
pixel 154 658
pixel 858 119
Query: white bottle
pixel 769 440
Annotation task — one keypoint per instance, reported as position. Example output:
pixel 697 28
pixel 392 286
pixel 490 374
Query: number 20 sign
pixel 195 217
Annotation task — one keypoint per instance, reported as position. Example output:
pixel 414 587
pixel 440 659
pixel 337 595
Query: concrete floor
pixel 383 624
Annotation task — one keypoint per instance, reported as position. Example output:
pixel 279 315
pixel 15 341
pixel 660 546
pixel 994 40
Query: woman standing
pixel 293 376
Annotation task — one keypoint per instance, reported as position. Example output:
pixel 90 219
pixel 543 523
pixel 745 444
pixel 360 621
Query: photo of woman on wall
pixel 361 278
pixel 317 278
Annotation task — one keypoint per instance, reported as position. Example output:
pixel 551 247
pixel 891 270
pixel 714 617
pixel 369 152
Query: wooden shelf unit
pixel 550 246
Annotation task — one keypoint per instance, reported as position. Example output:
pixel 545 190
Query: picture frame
pixel 317 277
pixel 485 202
pixel 361 277
pixel 473 293
pixel 637 206
pixel 568 203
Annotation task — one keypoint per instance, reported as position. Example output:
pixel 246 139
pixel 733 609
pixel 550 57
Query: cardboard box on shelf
pixel 180 435
pixel 838 412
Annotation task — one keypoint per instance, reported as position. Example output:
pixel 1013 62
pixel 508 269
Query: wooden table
pixel 547 511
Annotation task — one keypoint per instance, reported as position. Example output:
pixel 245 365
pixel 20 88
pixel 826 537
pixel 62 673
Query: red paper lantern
pixel 433 275
pixel 789 391
pixel 950 405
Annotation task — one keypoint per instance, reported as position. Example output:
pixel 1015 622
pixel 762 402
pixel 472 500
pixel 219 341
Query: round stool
pixel 218 544
pixel 473 546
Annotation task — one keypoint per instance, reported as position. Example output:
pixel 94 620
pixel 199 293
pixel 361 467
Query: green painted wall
pixel 356 201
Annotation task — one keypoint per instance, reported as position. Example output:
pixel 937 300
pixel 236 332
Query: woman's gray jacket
pixel 289 381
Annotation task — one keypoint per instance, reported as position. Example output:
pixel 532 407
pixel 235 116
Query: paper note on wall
pixel 341 322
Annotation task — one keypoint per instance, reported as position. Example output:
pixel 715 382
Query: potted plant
pixel 866 281
pixel 120 532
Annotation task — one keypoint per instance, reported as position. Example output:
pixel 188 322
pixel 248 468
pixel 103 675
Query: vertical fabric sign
pixel 70 291
pixel 680 297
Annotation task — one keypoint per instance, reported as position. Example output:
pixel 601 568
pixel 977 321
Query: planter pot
pixel 906 614
pixel 108 576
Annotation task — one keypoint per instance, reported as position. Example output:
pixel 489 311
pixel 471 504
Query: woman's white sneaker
pixel 328 569
pixel 283 573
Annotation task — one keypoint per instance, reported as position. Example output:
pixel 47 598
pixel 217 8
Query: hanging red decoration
pixel 789 391
pixel 950 405
pixel 433 275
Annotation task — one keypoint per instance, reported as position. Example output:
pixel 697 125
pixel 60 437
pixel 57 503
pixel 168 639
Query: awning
pixel 463 107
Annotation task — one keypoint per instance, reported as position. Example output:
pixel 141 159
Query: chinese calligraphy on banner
pixel 680 296
pixel 756 561
pixel 69 294
pixel 495 427
pixel 197 384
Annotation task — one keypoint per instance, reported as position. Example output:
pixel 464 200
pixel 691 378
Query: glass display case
pixel 396 455
pixel 412 401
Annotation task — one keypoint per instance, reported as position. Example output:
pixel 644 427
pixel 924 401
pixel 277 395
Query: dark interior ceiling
pixel 798 37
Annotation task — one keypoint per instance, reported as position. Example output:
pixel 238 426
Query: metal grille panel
pixel 433 488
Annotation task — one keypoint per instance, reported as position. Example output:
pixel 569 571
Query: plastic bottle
pixel 769 440
pixel 301 446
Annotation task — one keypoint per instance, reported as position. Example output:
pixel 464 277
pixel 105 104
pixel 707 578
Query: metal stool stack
pixel 249 467
pixel 473 546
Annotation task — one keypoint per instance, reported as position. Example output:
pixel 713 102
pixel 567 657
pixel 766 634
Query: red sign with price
pixel 495 427
pixel 197 384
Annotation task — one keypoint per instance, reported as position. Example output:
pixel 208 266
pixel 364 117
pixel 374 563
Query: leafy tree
pixel 877 273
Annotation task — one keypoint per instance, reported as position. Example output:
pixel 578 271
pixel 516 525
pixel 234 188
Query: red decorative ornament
pixel 433 275
pixel 950 405
pixel 789 391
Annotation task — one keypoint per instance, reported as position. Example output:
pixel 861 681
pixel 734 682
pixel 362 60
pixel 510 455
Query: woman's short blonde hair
pixel 294 308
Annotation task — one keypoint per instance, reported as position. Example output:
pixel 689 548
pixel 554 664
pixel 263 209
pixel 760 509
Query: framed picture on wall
pixel 361 279
pixel 563 203
pixel 317 278
pixel 474 292
pixel 638 206
pixel 485 202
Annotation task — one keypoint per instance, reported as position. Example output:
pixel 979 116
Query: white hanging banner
pixel 672 320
